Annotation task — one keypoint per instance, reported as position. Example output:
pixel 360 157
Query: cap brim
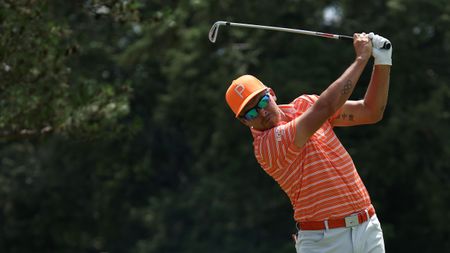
pixel 247 99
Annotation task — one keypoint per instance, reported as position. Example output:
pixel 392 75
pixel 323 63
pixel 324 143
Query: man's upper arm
pixel 353 113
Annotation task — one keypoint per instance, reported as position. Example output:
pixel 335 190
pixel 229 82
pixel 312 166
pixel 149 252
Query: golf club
pixel 214 31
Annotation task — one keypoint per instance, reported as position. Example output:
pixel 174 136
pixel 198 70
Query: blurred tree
pixel 142 153
pixel 42 43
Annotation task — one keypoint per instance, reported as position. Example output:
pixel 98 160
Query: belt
pixel 349 221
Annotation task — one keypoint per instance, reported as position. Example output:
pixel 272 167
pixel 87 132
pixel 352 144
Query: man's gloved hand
pixel 382 56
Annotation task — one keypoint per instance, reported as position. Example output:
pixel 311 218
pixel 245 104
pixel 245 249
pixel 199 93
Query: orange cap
pixel 243 90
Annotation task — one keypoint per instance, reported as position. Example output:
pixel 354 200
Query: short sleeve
pixel 275 148
pixel 302 103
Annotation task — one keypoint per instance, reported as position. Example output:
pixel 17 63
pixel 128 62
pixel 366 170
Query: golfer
pixel 296 145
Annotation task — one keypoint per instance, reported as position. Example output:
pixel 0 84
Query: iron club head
pixel 214 31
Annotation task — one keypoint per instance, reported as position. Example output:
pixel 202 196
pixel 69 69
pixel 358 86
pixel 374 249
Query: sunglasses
pixel 252 113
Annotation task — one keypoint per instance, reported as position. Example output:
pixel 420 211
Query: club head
pixel 214 31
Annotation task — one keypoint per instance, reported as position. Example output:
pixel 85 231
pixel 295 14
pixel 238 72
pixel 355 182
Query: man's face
pixel 267 117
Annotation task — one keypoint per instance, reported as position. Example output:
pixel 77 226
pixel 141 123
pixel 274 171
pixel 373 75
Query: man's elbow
pixel 373 114
pixel 325 108
pixel 376 117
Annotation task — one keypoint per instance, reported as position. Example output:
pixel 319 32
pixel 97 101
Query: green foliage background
pixel 115 135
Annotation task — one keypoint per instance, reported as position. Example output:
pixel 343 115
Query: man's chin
pixel 269 123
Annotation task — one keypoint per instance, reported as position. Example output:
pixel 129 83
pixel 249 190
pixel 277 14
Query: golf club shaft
pixel 299 31
pixel 215 30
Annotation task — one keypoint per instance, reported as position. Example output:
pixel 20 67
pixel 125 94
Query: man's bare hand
pixel 362 45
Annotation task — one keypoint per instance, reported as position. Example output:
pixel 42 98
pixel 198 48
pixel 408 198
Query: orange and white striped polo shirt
pixel 319 178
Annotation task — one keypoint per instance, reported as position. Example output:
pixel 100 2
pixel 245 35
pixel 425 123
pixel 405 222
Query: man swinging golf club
pixel 296 145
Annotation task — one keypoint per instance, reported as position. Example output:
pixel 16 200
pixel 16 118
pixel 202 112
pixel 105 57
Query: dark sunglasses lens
pixel 263 102
pixel 253 113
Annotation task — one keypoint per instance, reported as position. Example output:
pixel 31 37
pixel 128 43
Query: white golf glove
pixel 381 55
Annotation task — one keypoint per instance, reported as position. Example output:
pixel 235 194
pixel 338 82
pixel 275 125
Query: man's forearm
pixel 376 96
pixel 340 90
pixel 335 95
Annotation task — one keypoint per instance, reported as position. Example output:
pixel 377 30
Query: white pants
pixel 366 237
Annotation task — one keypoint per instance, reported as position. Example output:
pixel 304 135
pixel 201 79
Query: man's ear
pixel 272 93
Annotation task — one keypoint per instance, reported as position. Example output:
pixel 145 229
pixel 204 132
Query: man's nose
pixel 263 112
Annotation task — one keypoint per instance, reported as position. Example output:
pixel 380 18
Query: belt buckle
pixel 351 221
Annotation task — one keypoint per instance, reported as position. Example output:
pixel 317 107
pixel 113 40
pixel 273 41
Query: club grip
pixel 346 37
pixel 386 44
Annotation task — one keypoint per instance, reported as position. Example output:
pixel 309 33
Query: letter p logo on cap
pixel 239 88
